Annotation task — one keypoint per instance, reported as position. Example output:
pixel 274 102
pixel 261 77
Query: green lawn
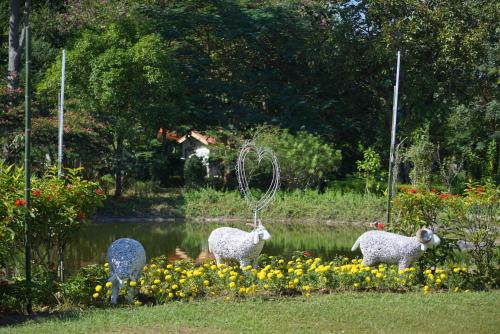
pixel 335 313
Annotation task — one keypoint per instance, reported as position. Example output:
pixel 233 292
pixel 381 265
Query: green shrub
pixel 60 206
pixel 472 218
pixel 194 172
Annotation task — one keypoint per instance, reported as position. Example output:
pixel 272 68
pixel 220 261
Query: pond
pixel 189 240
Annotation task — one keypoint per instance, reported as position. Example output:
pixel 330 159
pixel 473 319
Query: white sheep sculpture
pixel 385 247
pixel 227 243
pixel 126 258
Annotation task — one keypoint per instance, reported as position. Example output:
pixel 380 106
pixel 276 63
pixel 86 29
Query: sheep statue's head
pixel 427 238
pixel 260 233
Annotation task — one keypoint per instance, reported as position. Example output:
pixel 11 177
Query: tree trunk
pixel 16 41
pixel 118 170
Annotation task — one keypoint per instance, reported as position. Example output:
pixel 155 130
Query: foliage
pixel 194 172
pixel 59 207
pixel 369 170
pixel 306 161
pixel 421 155
pixel 471 219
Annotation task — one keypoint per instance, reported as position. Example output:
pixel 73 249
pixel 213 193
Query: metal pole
pixel 61 118
pixel 393 140
pixel 60 150
pixel 27 172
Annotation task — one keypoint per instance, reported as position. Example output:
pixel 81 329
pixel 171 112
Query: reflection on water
pixel 180 240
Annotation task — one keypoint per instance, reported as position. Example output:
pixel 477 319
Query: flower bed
pixel 164 281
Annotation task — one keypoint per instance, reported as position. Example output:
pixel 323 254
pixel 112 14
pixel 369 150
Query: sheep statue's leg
pixel 403 264
pixel 244 263
pixel 217 259
pixel 115 290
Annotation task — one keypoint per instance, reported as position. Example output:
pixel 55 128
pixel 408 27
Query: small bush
pixel 194 172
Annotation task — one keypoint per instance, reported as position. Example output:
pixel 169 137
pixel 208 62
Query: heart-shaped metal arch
pixel 257 205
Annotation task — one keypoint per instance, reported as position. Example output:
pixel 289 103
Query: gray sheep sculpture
pixel 126 258
pixel 386 247
pixel 228 243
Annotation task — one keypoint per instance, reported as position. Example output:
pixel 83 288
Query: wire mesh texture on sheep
pixel 126 258
pixel 386 247
pixel 232 243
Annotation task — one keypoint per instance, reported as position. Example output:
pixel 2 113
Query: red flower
pixel 444 195
pixel 49 198
pixel 433 190
pixel 479 190
pixel 307 254
pixel 35 193
pixel 413 191
pixel 99 192
pixel 19 202
pixel 380 226
pixel 403 189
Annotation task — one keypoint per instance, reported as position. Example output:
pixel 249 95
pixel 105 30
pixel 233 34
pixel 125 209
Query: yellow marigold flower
pixel 170 295
pixel 374 271
pixel 290 263
pixel 356 285
pixel 132 283
pixel 308 295
pixel 456 289
pixel 175 287
pixel 156 281
pixel 261 276
pixel 95 295
pixel 279 276
pixel 266 286
pixel 232 278
pixel 249 267
pixel 168 278
pixel 368 279
pixel 232 285
pixel 169 266
pixel 431 277
pixel 242 290
pixel 411 276
pixel 442 276
pixel 464 269
pixel 181 294
pixel 378 275
pixel 106 265
pixel 290 270
pixel 270 275
pixel 145 267
pixel 299 272
pixel 153 266
pixel 428 271
pixel 318 259
pixel 426 288
pixel 153 287
pixel 438 281
pixel 109 284
pixel 456 270
pixel 182 280
pixel 296 281
pixel 137 303
pixel 382 269
pixel 401 272
pixel 98 288
pixel 213 267
pixel 426 292
pixel 309 261
pixel 206 282
pixel 142 282
pixel 281 261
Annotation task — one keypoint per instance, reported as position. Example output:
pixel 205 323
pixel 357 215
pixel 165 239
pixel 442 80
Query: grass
pixel 208 203
pixel 477 312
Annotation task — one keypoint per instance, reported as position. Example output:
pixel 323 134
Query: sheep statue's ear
pixel 256 237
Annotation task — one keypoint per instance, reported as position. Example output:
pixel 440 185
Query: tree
pixel 128 80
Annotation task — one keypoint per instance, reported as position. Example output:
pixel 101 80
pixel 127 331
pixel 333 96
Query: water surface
pixel 189 240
